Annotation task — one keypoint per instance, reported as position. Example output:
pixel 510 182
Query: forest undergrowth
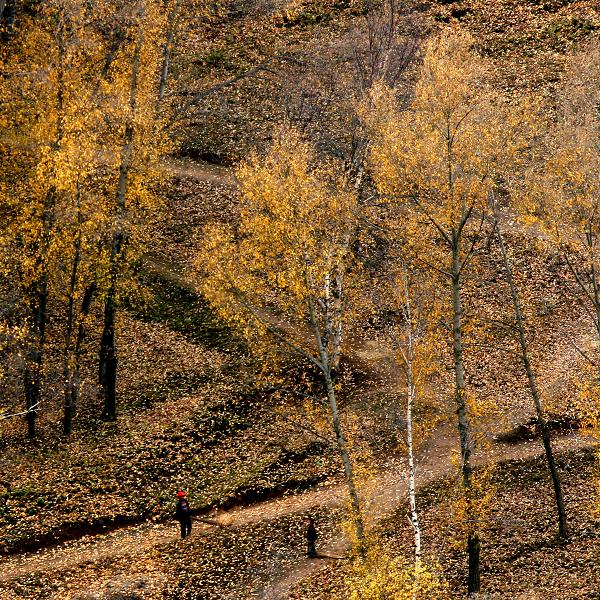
pixel 198 410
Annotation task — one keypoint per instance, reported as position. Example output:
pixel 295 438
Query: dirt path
pixel 134 539
pixel 388 491
pixel 392 489
pixel 201 171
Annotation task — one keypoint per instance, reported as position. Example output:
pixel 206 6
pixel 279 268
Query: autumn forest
pixel 319 278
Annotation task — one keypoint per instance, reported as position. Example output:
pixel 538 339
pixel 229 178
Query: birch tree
pixel 414 342
pixel 438 159
pixel 136 139
pixel 414 338
pixel 284 272
pixel 47 145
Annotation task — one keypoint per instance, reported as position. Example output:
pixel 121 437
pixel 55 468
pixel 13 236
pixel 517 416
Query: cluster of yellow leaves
pixel 63 123
pixel 442 154
pixel 70 91
pixel 470 508
pixel 295 224
pixel 588 408
pixel 563 198
pixel 382 577
pixel 427 152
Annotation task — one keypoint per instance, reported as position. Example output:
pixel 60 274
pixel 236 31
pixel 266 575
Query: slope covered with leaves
pixel 523 557
pixel 192 413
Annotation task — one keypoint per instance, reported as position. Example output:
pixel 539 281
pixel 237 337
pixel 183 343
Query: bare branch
pixel 300 426
pixel 431 219
pixel 577 276
pixel 198 97
pixel 583 353
pixel 473 242
pixel 273 330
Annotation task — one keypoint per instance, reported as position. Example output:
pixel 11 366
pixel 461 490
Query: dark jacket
pixel 182 510
pixel 311 533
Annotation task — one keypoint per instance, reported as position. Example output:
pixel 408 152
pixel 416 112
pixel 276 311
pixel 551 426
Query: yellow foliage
pixel 293 239
pixel 470 507
pixel 385 577
pixel 283 272
pixel 440 155
pixel 78 149
pixel 64 109
pixel 588 402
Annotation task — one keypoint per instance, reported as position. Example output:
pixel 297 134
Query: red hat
pixel 180 494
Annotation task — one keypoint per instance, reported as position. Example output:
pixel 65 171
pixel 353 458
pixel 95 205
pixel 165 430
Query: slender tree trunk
pixel 325 366
pixel 86 304
pixel 108 361
pixel 412 488
pixel 8 13
pixel 332 331
pixel 595 287
pixel 412 493
pixel 33 368
pixel 337 301
pixel 38 294
pixel 167 48
pixel 466 444
pixel 348 470
pixel 327 333
pixel 594 294
pixel 69 409
pixel 562 518
pixel 408 358
pixel 108 349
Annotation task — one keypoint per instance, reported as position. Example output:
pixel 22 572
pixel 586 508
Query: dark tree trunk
pixel 38 294
pixel 108 350
pixel 8 14
pixel 473 550
pixel 33 368
pixel 86 304
pixel 325 366
pixel 466 443
pixel 69 409
pixel 348 470
pixel 108 356
pixel 537 401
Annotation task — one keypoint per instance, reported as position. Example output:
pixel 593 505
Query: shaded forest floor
pixel 258 553
pixel 191 398
pixel 191 417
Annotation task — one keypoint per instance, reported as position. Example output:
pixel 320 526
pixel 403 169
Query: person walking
pixel 183 514
pixel 311 537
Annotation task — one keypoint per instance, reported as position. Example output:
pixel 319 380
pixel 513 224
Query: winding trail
pixel 133 539
pixel 385 492
pixel 391 491
pixel 388 492
pixel 201 171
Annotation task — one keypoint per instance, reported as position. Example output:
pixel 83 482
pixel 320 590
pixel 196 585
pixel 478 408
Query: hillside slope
pixel 196 411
